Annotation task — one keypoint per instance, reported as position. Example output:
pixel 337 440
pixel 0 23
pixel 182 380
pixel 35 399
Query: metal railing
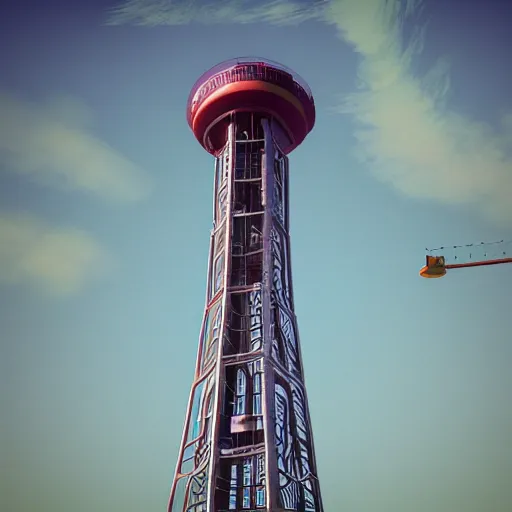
pixel 224 74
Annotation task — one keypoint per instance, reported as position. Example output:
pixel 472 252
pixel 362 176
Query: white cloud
pixel 405 132
pixel 52 143
pixel 168 12
pixel 56 261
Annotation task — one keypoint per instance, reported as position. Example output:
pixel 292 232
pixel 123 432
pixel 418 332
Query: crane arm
pixel 436 265
pixel 478 263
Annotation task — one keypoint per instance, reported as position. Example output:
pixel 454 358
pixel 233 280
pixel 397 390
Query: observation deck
pixel 252 85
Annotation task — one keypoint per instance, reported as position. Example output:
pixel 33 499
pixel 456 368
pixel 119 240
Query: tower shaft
pixel 247 441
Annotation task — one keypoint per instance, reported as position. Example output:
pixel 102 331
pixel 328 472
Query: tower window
pixel 241 392
pixel 247 483
pixel 247 487
pixel 233 488
pixel 247 498
pixel 260 497
pixel 256 406
pixel 247 472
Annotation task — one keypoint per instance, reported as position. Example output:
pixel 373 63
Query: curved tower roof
pixel 249 84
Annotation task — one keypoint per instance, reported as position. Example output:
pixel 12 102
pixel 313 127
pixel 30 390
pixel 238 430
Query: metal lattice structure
pixel 247 441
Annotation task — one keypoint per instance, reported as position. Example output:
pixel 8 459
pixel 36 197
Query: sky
pixel 105 214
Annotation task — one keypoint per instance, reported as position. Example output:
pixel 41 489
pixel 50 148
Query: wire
pixel 467 245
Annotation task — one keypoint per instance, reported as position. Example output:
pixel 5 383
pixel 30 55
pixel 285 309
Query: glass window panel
pixel 241 382
pixel 240 406
pixel 195 417
pixel 256 404
pixel 257 383
pixel 247 498
pixel 248 472
pixel 261 469
pixel 260 497
pixel 232 500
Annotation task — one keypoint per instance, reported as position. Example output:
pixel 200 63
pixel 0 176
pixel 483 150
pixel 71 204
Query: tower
pixel 247 440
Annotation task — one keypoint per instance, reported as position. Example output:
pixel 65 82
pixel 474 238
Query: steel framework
pixel 247 442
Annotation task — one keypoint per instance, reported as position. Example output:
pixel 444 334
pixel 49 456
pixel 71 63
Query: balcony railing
pixel 241 71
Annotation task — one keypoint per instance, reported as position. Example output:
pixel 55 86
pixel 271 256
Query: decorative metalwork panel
pixel 256 319
pixel 211 334
pixel 201 402
pixel 191 479
pixel 280 267
pixel 218 262
pixel 285 450
pixel 222 185
pixel 285 347
pixel 301 434
pixel 279 199
pixel 297 479
pixel 221 203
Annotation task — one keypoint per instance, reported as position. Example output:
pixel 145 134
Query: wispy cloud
pixel 168 12
pixel 406 134
pixel 57 261
pixel 53 144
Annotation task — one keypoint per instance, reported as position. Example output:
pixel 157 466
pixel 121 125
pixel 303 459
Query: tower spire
pixel 247 440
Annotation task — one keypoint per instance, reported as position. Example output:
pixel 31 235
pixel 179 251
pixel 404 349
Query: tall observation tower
pixel 247 441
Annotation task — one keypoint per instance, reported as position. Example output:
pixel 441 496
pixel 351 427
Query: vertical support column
pixel 272 476
pixel 188 413
pixel 219 369
pixel 313 460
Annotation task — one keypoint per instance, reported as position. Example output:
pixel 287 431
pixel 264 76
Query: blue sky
pixel 105 212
